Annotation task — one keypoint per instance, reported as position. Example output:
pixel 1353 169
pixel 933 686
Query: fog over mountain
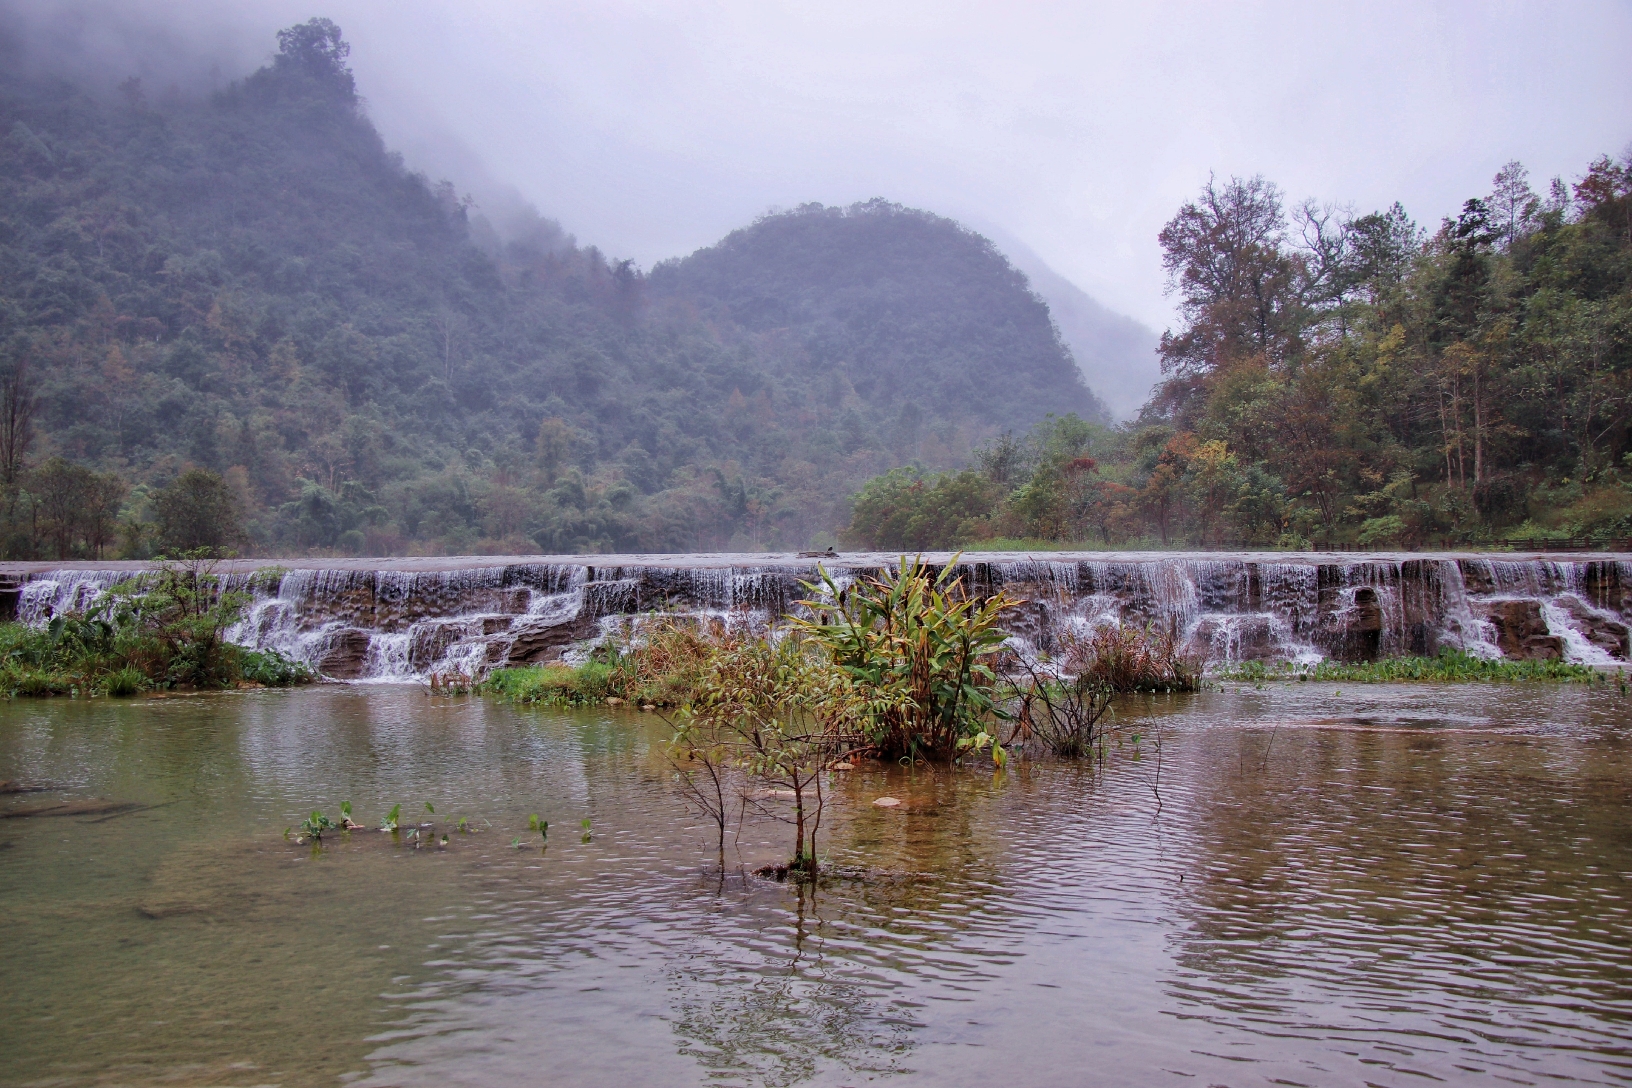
pixel 1078 129
pixel 1117 355
pixel 250 283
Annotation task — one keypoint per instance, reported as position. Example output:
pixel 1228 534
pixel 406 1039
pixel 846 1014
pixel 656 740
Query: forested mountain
pixel 252 285
pixel 910 310
pixel 1344 378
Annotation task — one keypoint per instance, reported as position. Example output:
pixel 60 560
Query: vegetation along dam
pixel 401 619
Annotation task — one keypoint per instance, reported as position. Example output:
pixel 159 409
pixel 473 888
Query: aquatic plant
pixel 1124 658
pixel 1063 712
pixel 125 681
pixel 781 713
pixel 655 663
pixel 703 769
pixel 391 818
pixel 918 648
pixel 450 682
pixel 1448 666
pixel 315 824
pixel 553 685
pixel 270 668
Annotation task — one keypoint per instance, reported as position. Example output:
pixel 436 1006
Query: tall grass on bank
pixel 659 664
pixel 1450 666
pixel 162 629
pixel 1125 658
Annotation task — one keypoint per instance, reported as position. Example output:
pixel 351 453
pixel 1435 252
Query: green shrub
pixel 271 669
pixel 21 679
pixel 1450 666
pixel 124 682
pixel 659 665
pixel 919 648
pixel 554 685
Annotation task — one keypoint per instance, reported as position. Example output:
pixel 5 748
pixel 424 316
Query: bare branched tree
pixel 1062 712
pixel 701 761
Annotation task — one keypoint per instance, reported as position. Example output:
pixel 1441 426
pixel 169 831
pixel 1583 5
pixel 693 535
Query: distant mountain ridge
pixel 909 306
pixel 254 284
pixel 1117 354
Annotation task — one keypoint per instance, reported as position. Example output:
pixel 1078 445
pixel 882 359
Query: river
pixel 1305 884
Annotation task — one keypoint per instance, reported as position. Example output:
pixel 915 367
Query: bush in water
pixel 920 648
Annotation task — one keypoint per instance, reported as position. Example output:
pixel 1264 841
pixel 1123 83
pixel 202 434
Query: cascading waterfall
pixel 354 623
pixel 63 591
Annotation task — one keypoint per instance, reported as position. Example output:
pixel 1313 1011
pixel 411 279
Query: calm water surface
pixel 1366 886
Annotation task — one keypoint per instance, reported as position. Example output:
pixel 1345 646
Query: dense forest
pixel 241 322
pixel 1341 378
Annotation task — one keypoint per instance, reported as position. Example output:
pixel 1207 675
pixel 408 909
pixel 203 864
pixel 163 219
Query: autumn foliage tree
pixel 1336 377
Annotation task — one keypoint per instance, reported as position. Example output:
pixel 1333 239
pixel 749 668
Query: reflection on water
pixel 1342 887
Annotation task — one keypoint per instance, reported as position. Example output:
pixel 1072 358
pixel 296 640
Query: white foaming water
pixel 397 625
pixel 64 591
pixel 1577 646
pixel 1472 634
pixel 387 658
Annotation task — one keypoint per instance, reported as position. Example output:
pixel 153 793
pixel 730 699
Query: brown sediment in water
pixel 71 808
pixel 101 811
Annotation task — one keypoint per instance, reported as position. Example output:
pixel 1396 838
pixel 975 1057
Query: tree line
pixel 1337 377
pixel 58 509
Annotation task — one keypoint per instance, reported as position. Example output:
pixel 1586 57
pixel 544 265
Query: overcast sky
pixel 652 129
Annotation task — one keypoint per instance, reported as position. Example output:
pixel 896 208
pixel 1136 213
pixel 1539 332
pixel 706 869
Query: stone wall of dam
pixel 402 619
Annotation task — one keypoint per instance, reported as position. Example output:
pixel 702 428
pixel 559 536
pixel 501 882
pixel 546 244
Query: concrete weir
pixel 400 619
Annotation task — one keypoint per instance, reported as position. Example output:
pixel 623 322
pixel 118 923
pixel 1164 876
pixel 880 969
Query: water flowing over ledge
pixel 401 619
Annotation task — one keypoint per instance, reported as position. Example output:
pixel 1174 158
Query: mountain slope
pixel 1117 354
pixel 913 310
pixel 254 284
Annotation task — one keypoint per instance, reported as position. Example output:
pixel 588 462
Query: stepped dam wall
pixel 403 619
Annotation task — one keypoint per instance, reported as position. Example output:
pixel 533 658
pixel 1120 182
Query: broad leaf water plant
pixel 918 647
